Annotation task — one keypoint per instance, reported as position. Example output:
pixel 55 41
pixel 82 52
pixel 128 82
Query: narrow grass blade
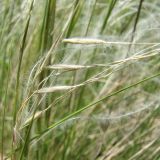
pixel 92 104
pixel 110 9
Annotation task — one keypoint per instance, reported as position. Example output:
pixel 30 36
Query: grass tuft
pixel 79 80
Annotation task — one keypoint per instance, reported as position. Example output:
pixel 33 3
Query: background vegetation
pixel 95 100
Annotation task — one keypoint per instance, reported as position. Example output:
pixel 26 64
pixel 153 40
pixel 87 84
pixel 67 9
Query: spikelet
pixel 66 67
pixel 86 41
pixel 37 115
pixel 94 41
pixel 54 89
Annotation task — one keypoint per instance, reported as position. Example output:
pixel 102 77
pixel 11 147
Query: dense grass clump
pixel 79 80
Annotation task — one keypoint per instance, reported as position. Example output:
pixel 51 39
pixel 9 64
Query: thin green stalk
pixel 110 9
pixel 21 52
pixel 137 19
pixel 3 31
pixel 92 58
pixel 92 104
pixel 26 142
pixel 135 24
pixel 22 47
pixel 71 132
pixel 77 10
pixel 4 115
pixel 45 43
pixel 47 26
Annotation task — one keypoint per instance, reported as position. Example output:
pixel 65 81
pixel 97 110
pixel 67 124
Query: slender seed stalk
pixel 93 104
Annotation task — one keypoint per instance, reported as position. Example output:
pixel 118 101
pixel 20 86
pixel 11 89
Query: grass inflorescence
pixel 79 80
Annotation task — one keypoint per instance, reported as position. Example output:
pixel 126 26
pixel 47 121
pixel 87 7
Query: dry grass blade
pixel 155 152
pixel 144 149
